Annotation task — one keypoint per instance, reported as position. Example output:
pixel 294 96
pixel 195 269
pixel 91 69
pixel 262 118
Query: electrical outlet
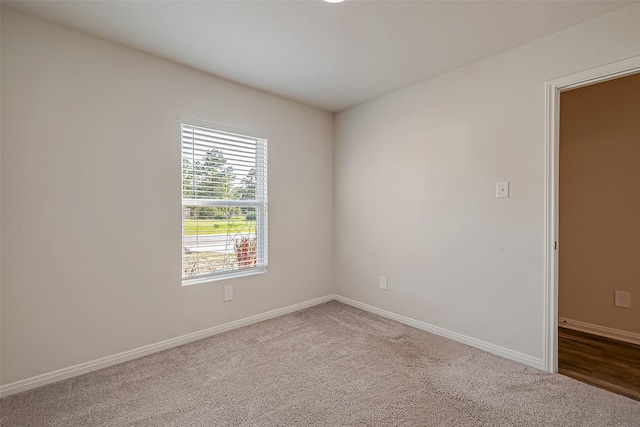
pixel 383 282
pixel 623 299
pixel 228 292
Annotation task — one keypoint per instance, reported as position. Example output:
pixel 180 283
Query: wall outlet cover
pixel 228 292
pixel 383 282
pixel 623 298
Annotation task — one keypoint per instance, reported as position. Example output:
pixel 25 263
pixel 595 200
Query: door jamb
pixel 553 88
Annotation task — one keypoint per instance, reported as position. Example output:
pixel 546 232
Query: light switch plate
pixel 502 190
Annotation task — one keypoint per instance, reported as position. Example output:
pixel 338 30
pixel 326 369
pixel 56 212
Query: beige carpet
pixel 330 365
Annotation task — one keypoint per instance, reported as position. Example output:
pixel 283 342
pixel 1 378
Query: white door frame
pixel 552 125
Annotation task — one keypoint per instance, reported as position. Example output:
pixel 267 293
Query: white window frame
pixel 259 203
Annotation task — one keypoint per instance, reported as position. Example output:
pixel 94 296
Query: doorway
pixel 599 260
pixel 552 244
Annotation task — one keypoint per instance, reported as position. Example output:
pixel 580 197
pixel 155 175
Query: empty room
pixel 292 213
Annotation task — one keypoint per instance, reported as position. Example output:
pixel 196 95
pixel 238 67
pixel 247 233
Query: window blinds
pixel 224 203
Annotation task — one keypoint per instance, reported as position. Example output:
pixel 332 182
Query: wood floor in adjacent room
pixel 603 362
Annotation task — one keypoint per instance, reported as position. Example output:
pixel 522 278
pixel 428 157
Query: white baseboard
pixel 603 331
pixel 104 362
pixel 115 359
pixel 482 345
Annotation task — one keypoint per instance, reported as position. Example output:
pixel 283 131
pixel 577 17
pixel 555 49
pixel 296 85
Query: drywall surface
pixel 415 188
pixel 91 199
pixel 600 203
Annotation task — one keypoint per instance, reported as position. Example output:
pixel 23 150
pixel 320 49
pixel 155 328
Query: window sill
pixel 224 276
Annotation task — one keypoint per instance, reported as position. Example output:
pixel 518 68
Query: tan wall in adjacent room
pixel 600 203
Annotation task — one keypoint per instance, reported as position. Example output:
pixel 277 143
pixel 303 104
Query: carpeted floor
pixel 329 365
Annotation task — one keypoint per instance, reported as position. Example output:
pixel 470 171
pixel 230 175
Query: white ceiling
pixel 332 56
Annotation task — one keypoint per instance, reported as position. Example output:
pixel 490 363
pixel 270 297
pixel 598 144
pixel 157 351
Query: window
pixel 224 203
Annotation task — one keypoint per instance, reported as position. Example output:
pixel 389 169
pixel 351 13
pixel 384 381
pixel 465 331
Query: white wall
pixel 415 176
pixel 90 197
pixel 91 228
